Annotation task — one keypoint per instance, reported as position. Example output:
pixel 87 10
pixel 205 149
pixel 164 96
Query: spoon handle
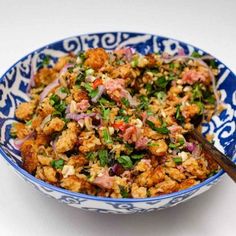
pixel 225 162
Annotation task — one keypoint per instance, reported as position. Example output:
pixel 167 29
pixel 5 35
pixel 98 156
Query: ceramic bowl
pixel 13 86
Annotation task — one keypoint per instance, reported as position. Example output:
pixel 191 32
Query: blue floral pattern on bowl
pixel 13 90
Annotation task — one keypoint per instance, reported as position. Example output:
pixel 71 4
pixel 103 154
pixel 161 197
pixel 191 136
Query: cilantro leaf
pixel 125 161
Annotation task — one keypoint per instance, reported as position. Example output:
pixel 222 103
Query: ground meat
pixel 78 161
pixel 167 186
pixel 20 129
pixel 79 94
pixel 67 139
pixel 45 108
pixel 25 110
pixel 189 111
pixel 158 148
pixel 96 58
pixel 122 71
pixel 175 174
pixel 89 142
pixel 29 156
pixel 55 125
pixel 187 183
pixel 45 76
pixel 50 174
pixel 76 184
pixel 138 192
pixel 192 166
pixel 62 62
pixel 42 139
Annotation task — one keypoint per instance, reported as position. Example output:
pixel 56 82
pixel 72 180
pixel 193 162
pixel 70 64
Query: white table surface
pixel 27 25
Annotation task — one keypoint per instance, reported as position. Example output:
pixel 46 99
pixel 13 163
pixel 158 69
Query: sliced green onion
pixel 106 136
pixel 57 164
pixel 177 160
pixel 103 157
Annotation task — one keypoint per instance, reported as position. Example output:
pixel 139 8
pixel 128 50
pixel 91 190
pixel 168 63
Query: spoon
pixel 225 162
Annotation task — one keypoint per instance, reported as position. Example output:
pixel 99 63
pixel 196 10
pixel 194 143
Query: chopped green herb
pixel 125 101
pixel 161 130
pixel 88 87
pixel 105 102
pixel 162 82
pixel 213 64
pixel 103 157
pixel 178 114
pixel 46 60
pixel 201 107
pixel 106 136
pixel 81 55
pixel 124 118
pixel 195 54
pixel 144 103
pixel 91 155
pixel 137 156
pixel 172 65
pixel 58 164
pixel 64 90
pixel 134 62
pixel 129 149
pixel 173 146
pixel 54 99
pixel 105 114
pixel 89 72
pixel 93 93
pixel 70 69
pixel 211 99
pixel 123 192
pixel 149 113
pixel 177 160
pixel 177 145
pixel 197 92
pixel 160 96
pixel 65 120
pixel 148 87
pixel 28 123
pixel 80 78
pixel 60 107
pixel 125 161
pixel 152 144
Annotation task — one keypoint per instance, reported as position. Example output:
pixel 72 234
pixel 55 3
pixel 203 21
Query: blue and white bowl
pixel 13 86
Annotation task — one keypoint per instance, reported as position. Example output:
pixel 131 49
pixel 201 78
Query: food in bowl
pixel 115 124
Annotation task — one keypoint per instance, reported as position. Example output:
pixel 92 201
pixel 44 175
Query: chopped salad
pixel 115 124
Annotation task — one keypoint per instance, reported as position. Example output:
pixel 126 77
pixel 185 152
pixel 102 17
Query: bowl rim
pixel 46 185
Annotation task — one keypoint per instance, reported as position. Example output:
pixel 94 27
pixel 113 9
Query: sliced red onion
pixel 45 121
pixel 64 69
pixel 77 117
pixel 197 151
pixel 101 90
pixel 67 109
pixel 190 146
pixel 18 142
pixel 48 88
